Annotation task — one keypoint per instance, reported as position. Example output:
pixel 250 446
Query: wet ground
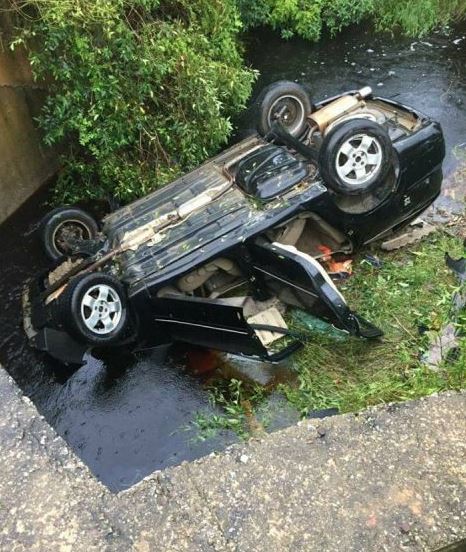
pixel 129 417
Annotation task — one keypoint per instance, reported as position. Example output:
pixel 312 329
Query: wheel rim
pixel 69 232
pixel 290 111
pixel 101 309
pixel 359 159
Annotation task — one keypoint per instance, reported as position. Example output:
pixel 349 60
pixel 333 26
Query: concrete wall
pixel 25 163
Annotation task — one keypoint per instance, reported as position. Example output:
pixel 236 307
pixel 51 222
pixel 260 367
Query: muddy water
pixel 127 417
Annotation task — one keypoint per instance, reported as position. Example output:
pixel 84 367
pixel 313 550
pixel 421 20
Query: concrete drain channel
pixel 124 418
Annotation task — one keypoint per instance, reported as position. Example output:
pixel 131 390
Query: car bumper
pixel 55 342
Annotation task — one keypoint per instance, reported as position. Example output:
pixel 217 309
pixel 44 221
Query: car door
pixel 212 323
pixel 300 280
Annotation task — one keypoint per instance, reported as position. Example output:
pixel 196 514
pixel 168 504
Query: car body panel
pixel 235 217
pixel 212 323
pixel 299 280
pixel 230 219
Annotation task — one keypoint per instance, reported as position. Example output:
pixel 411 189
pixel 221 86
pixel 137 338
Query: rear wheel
pixel 356 157
pixel 94 308
pixel 285 101
pixel 64 228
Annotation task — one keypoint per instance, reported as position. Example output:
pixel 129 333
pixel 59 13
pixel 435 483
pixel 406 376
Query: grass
pixel 410 298
pixel 238 401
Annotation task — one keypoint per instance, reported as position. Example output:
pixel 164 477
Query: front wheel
pixel 94 309
pixel 356 157
pixel 63 229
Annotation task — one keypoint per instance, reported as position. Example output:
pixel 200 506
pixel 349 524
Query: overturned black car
pixel 198 260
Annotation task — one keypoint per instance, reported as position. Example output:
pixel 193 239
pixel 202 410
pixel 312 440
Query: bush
pixel 139 89
pixel 417 17
pixel 307 18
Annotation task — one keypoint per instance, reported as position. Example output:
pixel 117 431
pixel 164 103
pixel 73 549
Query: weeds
pixel 410 298
pixel 237 401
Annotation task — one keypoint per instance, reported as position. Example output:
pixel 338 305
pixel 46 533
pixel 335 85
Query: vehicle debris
pixel 441 347
pixel 317 325
pixel 373 260
pixel 341 269
pixel 256 371
pixel 446 342
pixel 458 266
pixel 270 317
pixel 413 235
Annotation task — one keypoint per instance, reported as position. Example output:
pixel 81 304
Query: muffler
pixel 323 117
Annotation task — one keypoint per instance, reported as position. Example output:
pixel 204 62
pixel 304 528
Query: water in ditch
pixel 130 416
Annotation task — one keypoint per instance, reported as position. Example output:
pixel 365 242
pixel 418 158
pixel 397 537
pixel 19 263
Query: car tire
pixel 94 309
pixel 64 223
pixel 355 157
pixel 287 96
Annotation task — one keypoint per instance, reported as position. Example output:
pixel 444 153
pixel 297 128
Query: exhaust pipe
pixel 322 118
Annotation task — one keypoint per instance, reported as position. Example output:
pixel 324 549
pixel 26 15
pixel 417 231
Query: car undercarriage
pixel 200 260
